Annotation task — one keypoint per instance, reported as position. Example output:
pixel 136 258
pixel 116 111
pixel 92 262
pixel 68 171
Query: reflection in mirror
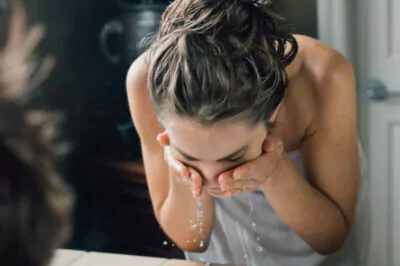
pixel 202 133
pixel 35 204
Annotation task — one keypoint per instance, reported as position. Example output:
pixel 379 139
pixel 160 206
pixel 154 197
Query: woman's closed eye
pixel 233 160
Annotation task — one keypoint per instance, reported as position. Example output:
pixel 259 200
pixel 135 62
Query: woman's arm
pixel 173 202
pixel 321 207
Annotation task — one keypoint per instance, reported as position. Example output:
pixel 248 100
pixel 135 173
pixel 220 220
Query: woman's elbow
pixel 331 245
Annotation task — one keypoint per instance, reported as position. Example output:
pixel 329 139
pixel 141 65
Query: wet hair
pixel 216 60
pixel 35 204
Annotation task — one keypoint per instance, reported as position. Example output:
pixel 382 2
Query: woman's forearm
pixel 177 213
pixel 309 213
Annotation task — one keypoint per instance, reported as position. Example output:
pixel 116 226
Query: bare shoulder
pixel 324 65
pixel 330 83
pixel 136 79
pixel 142 111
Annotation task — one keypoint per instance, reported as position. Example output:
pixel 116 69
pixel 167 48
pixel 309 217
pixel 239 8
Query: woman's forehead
pixel 189 128
pixel 211 141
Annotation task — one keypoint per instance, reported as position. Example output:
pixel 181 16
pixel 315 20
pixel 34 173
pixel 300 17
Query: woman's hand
pixel 253 174
pixel 182 173
pixel 19 74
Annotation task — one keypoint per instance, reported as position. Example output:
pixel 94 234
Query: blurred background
pixel 94 42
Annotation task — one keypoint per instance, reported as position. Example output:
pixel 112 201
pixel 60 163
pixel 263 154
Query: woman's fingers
pixel 245 185
pixel 175 164
pixel 189 175
pixel 197 183
pixel 16 34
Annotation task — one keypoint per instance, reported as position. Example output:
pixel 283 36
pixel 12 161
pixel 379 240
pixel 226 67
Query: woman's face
pixel 212 150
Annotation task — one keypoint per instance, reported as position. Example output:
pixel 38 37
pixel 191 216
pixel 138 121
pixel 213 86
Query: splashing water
pixel 199 214
pixel 199 222
pixel 199 217
pixel 254 226
pixel 165 243
pixel 251 204
pixel 247 259
pixel 259 249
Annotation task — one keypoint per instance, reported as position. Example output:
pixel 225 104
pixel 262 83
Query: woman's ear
pixel 163 139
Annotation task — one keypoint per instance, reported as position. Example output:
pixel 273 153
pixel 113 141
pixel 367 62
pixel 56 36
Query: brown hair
pixel 214 60
pixel 34 203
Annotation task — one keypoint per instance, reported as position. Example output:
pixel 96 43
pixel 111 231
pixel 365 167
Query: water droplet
pixel 187 241
pixel 194 240
pixel 201 243
pixel 258 239
pixel 190 222
pixel 260 249
pixel 194 226
pixel 202 259
pixel 173 244
pixel 254 226
pixel 245 256
pixel 165 243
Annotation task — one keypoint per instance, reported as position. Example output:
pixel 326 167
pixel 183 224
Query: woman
pixel 263 124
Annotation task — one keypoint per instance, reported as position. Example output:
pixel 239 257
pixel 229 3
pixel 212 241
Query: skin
pixel 317 115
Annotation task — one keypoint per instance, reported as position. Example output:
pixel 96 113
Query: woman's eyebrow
pixel 233 154
pixel 191 158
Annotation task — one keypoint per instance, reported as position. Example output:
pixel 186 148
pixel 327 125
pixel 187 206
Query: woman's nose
pixel 211 175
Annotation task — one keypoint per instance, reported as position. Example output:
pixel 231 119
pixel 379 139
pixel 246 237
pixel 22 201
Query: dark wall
pixel 85 86
pixel 302 15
